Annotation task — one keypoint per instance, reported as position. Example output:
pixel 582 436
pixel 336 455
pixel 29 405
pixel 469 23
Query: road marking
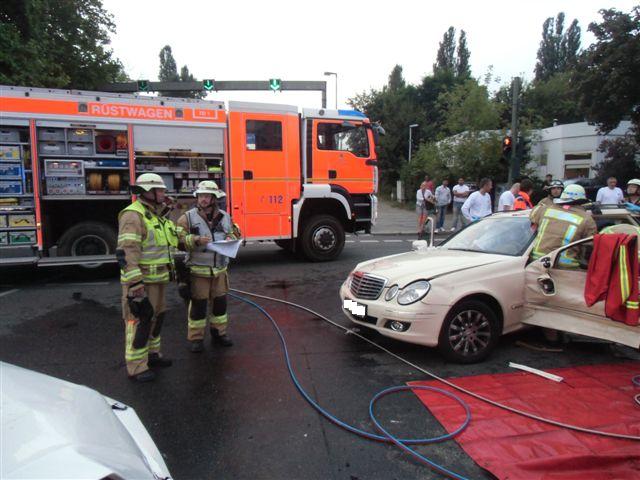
pixel 369 241
pixel 9 292
pixel 349 241
pixel 84 284
pixel 393 241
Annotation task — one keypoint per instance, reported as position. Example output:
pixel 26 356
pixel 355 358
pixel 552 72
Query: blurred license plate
pixel 356 309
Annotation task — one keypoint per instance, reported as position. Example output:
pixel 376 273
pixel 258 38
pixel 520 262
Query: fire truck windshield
pixel 347 137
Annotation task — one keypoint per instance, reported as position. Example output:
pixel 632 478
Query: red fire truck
pixel 67 159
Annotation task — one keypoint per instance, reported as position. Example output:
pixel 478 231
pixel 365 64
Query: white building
pixel 570 150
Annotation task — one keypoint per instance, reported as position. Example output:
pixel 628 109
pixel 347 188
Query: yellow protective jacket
pixel 560 225
pixel 146 242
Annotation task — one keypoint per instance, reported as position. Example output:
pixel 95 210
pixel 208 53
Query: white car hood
pixel 426 264
pixel 56 429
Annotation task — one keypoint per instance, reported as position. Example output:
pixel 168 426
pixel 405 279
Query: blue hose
pixel 386 437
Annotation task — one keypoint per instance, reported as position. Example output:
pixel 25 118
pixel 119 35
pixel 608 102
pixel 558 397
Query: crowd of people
pixel 433 202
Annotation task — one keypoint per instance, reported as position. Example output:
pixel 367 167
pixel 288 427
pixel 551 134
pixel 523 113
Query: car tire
pixel 322 238
pixel 88 238
pixel 469 332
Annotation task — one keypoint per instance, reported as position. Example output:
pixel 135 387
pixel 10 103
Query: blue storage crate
pixel 10 187
pixel 10 171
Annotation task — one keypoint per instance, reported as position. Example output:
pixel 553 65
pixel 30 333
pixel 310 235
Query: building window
pixel 577 156
pixel 581 172
pixel 337 136
pixel 264 135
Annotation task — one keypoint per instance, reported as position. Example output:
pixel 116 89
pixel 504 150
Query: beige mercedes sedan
pixel 479 284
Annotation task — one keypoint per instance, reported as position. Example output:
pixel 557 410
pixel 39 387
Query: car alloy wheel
pixel 469 332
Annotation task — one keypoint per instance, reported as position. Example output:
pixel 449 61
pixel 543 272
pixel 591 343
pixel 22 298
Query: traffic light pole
pixel 514 171
pixel 219 85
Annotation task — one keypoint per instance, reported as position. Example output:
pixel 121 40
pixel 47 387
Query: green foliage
pixel 558 49
pixel 606 76
pixel 463 69
pixel 446 56
pixel 467 107
pixel 621 160
pixel 57 44
pixel 470 155
pixel 169 73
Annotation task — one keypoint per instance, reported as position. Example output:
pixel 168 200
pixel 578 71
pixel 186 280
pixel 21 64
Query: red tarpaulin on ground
pixel 511 446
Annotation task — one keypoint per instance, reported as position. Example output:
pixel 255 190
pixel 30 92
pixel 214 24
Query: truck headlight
pixel 413 292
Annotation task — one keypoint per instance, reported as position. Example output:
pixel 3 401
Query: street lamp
pixel 328 74
pixel 411 127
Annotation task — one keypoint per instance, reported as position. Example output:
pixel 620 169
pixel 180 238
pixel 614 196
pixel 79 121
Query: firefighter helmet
pixel 634 181
pixel 210 187
pixel 556 184
pixel 148 181
pixel 572 194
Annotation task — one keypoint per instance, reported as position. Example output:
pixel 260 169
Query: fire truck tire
pixel 322 238
pixel 88 238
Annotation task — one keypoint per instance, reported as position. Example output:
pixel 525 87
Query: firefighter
pixel 208 279
pixel 555 189
pixel 633 191
pixel 146 241
pixel 564 222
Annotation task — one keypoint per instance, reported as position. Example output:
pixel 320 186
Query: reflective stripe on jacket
pixel 202 262
pixel 559 226
pixel 148 242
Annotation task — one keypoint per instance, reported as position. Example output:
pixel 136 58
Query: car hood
pixel 56 429
pixel 426 264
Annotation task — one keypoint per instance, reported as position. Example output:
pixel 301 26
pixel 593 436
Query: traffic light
pixel 523 148
pixel 275 84
pixel 208 85
pixel 143 85
pixel 507 144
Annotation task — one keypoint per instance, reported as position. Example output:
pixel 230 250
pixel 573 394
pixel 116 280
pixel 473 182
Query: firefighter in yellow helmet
pixel 146 241
pixel 564 222
pixel 208 279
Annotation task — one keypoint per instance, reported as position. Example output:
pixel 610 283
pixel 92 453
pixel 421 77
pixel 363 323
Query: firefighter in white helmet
pixel 208 280
pixel 633 191
pixel 146 241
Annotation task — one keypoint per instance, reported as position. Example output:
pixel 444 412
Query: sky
pixel 360 40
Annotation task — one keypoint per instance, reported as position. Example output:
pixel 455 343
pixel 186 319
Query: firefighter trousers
pixel 208 304
pixel 142 336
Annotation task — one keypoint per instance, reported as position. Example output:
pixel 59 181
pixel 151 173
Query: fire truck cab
pixel 67 159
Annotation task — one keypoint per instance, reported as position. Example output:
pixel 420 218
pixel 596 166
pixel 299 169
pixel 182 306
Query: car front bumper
pixel 425 320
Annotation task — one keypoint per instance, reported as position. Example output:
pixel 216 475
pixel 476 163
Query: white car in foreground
pixel 53 429
pixel 479 284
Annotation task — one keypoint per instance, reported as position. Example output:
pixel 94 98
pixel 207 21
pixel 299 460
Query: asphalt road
pixel 234 413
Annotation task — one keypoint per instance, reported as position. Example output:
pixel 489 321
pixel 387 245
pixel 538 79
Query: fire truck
pixel 67 158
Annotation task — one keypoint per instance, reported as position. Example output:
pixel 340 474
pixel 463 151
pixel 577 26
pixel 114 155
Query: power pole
pixel 514 171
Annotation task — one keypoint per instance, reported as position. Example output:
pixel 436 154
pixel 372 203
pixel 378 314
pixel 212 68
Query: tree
pixel 57 44
pixel 463 70
pixel 445 58
pixel 467 107
pixel 606 75
pixel 396 81
pixel 169 73
pixel 621 160
pixel 558 49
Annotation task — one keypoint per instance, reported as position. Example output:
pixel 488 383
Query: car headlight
pixel 413 292
pixel 393 290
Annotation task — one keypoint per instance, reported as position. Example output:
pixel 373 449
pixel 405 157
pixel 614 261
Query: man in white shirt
pixel 478 204
pixel 443 199
pixel 460 194
pixel 508 198
pixel 611 194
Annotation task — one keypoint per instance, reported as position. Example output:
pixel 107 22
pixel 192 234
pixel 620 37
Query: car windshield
pixel 499 235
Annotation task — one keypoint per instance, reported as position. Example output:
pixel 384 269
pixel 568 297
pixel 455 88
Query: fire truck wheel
pixel 88 238
pixel 322 238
